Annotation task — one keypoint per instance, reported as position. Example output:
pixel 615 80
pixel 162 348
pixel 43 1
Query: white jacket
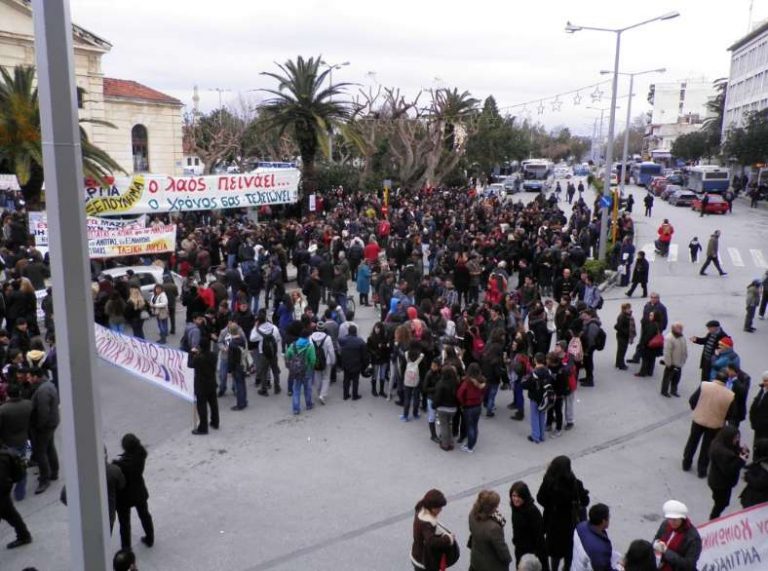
pixel 322 339
pixel 267 328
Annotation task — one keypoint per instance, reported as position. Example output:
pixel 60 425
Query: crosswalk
pixel 737 260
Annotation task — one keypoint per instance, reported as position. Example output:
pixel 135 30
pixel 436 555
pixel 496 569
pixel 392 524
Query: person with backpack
pixel 592 339
pixel 300 358
pixel 325 359
pixel 267 339
pixel 519 365
pixel 412 380
pixel 470 395
pixel 541 395
pixel 11 472
pixel 237 359
pixel 354 360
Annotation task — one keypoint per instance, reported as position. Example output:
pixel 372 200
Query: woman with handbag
pixel 136 312
pixel 434 547
pixel 651 344
pixel 159 305
pixel 486 527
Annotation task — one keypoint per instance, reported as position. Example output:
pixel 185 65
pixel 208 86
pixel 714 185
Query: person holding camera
pixel 727 457
pixel 677 543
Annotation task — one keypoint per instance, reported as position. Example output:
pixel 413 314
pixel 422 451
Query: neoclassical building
pixel 148 133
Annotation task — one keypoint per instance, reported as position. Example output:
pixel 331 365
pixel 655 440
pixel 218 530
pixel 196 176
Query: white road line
pixel 736 257
pixel 650 252
pixel 672 256
pixel 757 257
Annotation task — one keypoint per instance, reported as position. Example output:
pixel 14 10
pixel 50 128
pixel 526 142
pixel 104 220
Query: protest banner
pixel 737 542
pixel 147 193
pixel 114 238
pixel 156 364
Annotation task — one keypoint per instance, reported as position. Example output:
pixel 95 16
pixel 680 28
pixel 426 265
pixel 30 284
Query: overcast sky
pixel 516 50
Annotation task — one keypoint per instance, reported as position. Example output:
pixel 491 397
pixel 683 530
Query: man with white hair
pixel 758 412
pixel 675 356
pixel 529 562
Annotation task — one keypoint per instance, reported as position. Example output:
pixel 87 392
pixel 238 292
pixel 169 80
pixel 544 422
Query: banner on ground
pixel 738 542
pixel 145 193
pixel 114 238
pixel 156 364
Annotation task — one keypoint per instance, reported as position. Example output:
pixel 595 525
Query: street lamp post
pixel 572 28
pixel 330 67
pixel 600 130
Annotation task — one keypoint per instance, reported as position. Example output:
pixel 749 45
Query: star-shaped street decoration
pixel 556 104
pixel 577 98
pixel 597 94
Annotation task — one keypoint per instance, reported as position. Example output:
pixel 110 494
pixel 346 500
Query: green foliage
pixel 692 146
pixel 330 175
pixel 749 144
pixel 596 269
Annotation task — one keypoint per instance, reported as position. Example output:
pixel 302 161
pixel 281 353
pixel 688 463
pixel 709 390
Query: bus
pixel 644 172
pixel 708 178
pixel 537 174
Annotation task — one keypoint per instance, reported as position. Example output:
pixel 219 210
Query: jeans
pixel 341 300
pixel 298 385
pixel 518 399
pixel 489 400
pixel 697 431
pixel 223 373
pixel 322 381
pixel 20 489
pixel 162 325
pixel 231 261
pixel 570 413
pixel 380 375
pixel 239 383
pixel 117 327
pixel 431 413
pixel 472 418
pixel 538 423
pixel 411 394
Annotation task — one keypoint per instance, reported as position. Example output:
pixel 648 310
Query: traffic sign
pixel 605 201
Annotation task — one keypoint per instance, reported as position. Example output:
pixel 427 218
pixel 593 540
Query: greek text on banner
pixel 738 542
pixel 148 193
pixel 161 366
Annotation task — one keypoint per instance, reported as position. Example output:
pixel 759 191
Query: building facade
pixel 147 133
pixel 748 78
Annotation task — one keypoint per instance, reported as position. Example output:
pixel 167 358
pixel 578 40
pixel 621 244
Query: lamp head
pixel 570 28
pixel 605 71
pixel 669 15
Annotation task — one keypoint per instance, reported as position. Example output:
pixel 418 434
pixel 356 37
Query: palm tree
pixel 305 107
pixel 21 150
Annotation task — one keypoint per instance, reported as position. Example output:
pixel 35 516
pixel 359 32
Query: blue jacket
pixel 719 362
pixel 596 545
pixel 363 279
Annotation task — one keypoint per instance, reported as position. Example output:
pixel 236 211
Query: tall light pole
pixel 330 67
pixel 625 151
pixel 572 28
pixel 220 90
pixel 602 110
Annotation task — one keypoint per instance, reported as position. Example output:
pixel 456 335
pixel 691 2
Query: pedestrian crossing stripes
pixel 736 257
pixel 755 259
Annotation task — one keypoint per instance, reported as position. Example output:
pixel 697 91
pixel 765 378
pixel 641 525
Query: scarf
pixel 674 539
pixel 498 518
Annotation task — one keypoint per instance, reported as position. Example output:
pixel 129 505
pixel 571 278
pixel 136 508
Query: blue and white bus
pixel 537 174
pixel 644 172
pixel 708 178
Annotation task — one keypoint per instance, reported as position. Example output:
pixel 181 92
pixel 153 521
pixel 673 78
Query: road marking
pixel 672 256
pixel 735 257
pixel 757 257
pixel 650 252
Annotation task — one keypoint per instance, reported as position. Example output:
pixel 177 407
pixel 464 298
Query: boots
pixel 382 392
pixel 373 388
pixel 433 433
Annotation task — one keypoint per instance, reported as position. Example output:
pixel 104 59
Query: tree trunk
pixel 33 190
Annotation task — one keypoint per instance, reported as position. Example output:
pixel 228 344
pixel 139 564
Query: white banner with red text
pixel 737 542
pixel 148 193
pixel 161 366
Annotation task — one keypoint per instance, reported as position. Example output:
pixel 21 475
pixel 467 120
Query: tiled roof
pixel 133 90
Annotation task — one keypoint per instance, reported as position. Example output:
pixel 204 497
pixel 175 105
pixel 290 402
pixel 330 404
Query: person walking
pixel 626 330
pixel 753 300
pixel 470 395
pixel 592 548
pixel 430 539
pixel 675 356
pixel 648 202
pixel 45 420
pixel 446 404
pixel 527 525
pixel 266 337
pixel 704 205
pixel 756 477
pixel 300 358
pixel 489 550
pixel 710 342
pixel 204 365
pixel 726 459
pixel 134 495
pixel 640 275
pixel 712 254
pixel 677 543
pixel 711 405
pixel 694 247
pixel 758 410
pixel 564 499
pixel 325 360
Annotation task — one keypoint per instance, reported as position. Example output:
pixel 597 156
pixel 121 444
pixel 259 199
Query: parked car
pixel 148 277
pixel 657 184
pixel 682 197
pixel 496 189
pixel 716 205
pixel 676 178
pixel 511 184
pixel 669 190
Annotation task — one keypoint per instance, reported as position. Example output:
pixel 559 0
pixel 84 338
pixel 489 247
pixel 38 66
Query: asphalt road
pixel 334 489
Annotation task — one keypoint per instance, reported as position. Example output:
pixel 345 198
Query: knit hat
pixel 675 510
pixel 726 342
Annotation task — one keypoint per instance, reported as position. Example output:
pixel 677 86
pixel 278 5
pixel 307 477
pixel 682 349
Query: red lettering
pixel 171 185
pixel 153 186
pixel 232 182
pixel 223 183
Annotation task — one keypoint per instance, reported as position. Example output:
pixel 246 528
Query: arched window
pixel 140 145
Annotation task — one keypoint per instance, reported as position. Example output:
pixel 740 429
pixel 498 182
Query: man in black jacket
pixel 710 341
pixel 7 509
pixel 15 416
pixel 758 411
pixel 45 420
pixel 204 364
pixel 354 359
pixel 640 274
pixel 739 382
